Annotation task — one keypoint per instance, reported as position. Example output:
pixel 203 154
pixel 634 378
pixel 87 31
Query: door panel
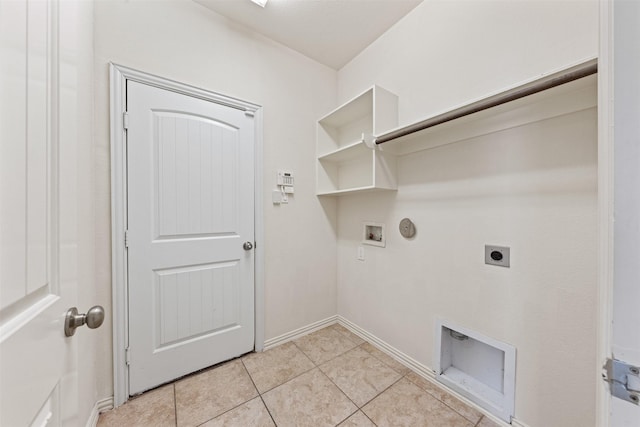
pixel 35 356
pixel 206 293
pixel 190 209
pixel 197 192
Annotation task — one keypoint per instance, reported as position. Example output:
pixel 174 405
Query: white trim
pixel 300 332
pixel 259 234
pixel 118 78
pixel 605 208
pixel 99 407
pixel 117 102
pixel 514 423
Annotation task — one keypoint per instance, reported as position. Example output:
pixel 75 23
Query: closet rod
pixel 579 71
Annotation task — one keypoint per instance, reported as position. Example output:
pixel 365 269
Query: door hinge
pixel 125 120
pixel 127 356
pixel 126 238
pixel 623 379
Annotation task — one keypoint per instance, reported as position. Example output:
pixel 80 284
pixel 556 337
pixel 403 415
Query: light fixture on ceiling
pixel 260 3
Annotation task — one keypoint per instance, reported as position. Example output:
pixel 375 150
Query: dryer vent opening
pixel 478 367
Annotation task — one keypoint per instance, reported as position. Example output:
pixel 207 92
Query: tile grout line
pixel 342 354
pixel 447 405
pixel 290 379
pixel 344 394
pixel 431 394
pixel 175 404
pixel 240 404
pixel 369 418
pixel 317 365
pixel 260 394
pixel 377 394
pixel 268 410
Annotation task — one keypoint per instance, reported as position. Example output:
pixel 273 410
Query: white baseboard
pixel 305 330
pixel 100 406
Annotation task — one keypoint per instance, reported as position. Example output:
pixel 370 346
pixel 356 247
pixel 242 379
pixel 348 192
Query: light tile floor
pixel 328 378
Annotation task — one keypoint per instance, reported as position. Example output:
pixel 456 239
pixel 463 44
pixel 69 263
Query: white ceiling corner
pixel 331 32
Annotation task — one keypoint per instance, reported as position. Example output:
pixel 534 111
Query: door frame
pixel 605 209
pixel 606 203
pixel 119 75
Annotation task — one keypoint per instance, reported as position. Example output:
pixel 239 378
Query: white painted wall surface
pixel 532 188
pixel 183 41
pixel 446 53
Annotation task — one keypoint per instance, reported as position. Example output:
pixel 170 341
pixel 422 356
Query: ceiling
pixel 330 31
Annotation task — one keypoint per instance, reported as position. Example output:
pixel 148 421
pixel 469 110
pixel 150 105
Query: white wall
pixel 446 53
pixel 183 41
pixel 532 188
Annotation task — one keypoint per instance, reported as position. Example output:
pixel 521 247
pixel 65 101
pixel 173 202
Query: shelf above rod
pixel 547 82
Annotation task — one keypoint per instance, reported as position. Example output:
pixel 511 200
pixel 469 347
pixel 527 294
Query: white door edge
pixel 119 75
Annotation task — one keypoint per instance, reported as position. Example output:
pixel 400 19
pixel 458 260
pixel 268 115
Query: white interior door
pixel 190 199
pixel 626 293
pixel 37 254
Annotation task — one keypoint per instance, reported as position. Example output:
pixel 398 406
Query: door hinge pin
pixel 126 238
pixel 125 120
pixel 127 356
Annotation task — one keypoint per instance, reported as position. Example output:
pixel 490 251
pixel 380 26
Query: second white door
pixel 190 172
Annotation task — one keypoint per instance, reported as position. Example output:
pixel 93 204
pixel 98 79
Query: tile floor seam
pixel 374 397
pixel 348 416
pixel 222 413
pixel 251 378
pixel 237 406
pixel 372 422
pixel 446 404
pixel 268 410
pixel 175 406
pixel 290 379
pixel 341 391
pixel 329 379
pixel 328 360
pixel 260 394
pixel 406 367
pixel 325 361
pixel 479 421
pixel 345 395
pixel 458 412
pixel 349 338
